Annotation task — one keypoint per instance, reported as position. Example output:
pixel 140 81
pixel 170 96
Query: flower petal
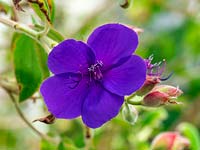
pixel 112 42
pixel 100 106
pixel 64 94
pixel 127 77
pixel 70 56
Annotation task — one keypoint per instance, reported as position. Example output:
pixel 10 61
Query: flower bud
pixel 170 90
pixel 162 94
pixel 170 141
pixel 155 99
pixel 149 84
pixel 129 114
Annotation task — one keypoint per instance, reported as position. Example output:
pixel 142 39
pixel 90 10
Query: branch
pixel 40 37
pixel 20 113
pixel 19 27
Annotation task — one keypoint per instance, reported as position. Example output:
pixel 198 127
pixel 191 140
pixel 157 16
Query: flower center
pixel 95 71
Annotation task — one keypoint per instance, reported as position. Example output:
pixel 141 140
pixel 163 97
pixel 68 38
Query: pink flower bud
pixel 170 90
pixel 155 99
pixel 149 84
pixel 170 141
pixel 162 94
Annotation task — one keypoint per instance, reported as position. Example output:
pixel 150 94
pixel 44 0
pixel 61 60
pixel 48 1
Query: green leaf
pixel 191 132
pixel 30 65
pixel 45 9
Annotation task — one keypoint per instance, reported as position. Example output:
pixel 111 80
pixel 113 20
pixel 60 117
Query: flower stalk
pixel 130 101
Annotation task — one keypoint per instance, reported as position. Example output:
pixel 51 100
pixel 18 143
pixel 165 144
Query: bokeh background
pixel 171 32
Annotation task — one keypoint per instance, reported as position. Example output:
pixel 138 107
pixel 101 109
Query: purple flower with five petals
pixel 91 79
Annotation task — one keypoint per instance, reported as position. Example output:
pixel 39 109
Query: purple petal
pixel 64 94
pixel 112 42
pixel 100 106
pixel 127 77
pixel 70 56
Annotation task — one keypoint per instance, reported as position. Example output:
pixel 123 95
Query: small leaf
pixel 45 9
pixel 29 64
pixel 51 7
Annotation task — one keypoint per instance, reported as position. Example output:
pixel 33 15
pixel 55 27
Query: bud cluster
pixel 157 95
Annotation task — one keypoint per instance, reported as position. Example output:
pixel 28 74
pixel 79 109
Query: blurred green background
pixel 171 32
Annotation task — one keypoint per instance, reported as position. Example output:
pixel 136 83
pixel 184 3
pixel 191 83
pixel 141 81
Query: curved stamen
pixel 166 78
pixel 161 69
pixel 156 69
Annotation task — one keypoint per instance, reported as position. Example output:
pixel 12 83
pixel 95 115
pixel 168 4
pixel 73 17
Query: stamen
pixel 95 71
pixel 155 69
pixel 166 78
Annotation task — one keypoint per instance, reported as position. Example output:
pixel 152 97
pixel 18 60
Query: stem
pixel 40 37
pixel 134 102
pixel 49 44
pixel 45 30
pixel 130 101
pixel 43 136
pixel 4 83
pixel 19 27
pixel 131 96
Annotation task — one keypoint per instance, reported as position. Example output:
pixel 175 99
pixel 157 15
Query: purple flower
pixel 91 79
